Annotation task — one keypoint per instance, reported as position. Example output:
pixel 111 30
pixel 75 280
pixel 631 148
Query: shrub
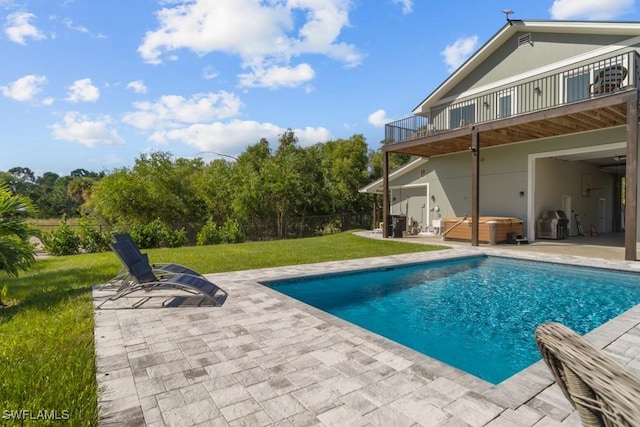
pixel 92 238
pixel 4 295
pixel 231 232
pixel 157 234
pixel 61 241
pixel 138 234
pixel 176 238
pixel 209 234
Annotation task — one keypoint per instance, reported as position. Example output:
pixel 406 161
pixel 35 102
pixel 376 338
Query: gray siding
pixel 548 48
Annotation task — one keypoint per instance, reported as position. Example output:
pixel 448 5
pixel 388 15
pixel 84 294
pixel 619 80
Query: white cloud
pixel 199 121
pixel 379 118
pixel 83 91
pixel 455 54
pixel 407 5
pixel 70 25
pixel 18 28
pixel 273 37
pixel 233 137
pixel 173 110
pixel 277 76
pixel 137 86
pixel 25 88
pixel 80 128
pixel 208 73
pixel 590 9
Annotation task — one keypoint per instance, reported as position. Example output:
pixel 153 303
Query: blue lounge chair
pixel 145 278
pixel 123 275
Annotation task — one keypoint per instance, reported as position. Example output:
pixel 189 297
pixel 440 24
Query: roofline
pixel 398 172
pixel 534 26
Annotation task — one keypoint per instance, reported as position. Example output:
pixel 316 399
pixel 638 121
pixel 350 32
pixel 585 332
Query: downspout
pixel 475 187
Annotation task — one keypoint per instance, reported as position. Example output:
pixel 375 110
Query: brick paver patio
pixel 264 359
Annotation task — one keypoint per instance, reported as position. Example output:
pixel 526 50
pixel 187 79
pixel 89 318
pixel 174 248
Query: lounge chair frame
pixel 124 277
pixel 145 278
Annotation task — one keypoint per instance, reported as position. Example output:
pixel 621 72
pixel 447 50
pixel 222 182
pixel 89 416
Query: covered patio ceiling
pixel 593 114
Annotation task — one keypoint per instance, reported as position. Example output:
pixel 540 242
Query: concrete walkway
pixel 264 359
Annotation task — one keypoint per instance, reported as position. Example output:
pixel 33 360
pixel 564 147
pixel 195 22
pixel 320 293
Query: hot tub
pixel 459 228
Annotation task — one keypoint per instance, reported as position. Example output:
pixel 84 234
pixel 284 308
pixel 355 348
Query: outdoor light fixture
pixel 537 90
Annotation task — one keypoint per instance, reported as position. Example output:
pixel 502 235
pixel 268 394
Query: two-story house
pixel 543 117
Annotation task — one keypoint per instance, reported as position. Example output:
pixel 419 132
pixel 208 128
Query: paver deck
pixel 265 359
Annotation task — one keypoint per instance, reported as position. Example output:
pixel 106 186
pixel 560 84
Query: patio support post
pixel 385 193
pixel 475 187
pixel 631 191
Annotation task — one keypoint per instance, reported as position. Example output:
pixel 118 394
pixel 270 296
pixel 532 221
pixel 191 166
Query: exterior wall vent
pixel 525 39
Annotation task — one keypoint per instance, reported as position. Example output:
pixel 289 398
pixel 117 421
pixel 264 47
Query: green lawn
pixel 46 333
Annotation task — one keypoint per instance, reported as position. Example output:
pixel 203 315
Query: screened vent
pixel 525 39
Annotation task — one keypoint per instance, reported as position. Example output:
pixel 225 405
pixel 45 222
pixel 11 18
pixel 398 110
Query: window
pixel 506 104
pixel 462 116
pixel 577 87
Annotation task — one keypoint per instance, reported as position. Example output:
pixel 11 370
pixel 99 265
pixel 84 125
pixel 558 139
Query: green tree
pixel 119 197
pixel 345 170
pixel 83 173
pixel 396 160
pixel 79 189
pixel 157 187
pixel 16 252
pixel 251 201
pixel 216 188
pixel 20 180
pixel 284 177
pixel 23 174
pixel 50 196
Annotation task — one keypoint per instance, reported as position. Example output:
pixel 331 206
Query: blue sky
pixel 94 83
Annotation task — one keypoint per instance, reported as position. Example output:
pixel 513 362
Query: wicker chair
pixel 603 392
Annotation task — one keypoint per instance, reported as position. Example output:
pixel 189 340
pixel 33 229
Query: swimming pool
pixel 477 313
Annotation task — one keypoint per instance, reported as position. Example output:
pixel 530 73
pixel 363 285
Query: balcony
pixel 576 99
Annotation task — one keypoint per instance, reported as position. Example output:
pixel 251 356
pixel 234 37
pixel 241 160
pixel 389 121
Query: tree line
pixel 51 195
pixel 260 190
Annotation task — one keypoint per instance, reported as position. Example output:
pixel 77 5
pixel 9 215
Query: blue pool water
pixel 477 314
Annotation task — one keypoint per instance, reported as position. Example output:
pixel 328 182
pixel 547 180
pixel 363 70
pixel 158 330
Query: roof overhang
pixel 376 186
